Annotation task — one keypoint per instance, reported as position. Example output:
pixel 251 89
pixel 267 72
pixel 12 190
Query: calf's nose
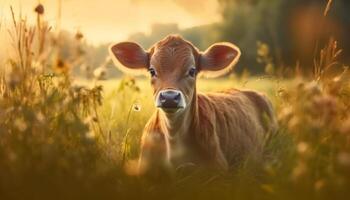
pixel 169 99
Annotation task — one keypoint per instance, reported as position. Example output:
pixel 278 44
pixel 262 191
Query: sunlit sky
pixel 113 20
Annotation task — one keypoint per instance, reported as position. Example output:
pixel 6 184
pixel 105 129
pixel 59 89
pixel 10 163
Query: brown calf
pixel 212 130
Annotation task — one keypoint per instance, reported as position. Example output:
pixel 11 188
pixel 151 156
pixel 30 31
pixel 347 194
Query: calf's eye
pixel 152 72
pixel 192 72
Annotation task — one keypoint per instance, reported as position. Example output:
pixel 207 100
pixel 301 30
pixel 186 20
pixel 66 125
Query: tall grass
pixel 59 140
pixel 48 141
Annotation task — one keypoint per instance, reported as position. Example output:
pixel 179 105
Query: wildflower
pixel 79 35
pixel 39 9
pixel 61 66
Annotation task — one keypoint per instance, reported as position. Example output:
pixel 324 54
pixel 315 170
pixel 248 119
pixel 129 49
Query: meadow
pixel 68 138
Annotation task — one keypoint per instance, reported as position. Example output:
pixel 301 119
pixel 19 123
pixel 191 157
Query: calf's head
pixel 173 65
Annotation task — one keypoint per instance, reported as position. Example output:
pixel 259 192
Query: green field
pixel 79 139
pixel 63 137
pixel 118 100
pixel 121 95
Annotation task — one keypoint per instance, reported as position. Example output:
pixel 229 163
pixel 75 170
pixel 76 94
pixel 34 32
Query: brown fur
pixel 219 130
pixel 215 130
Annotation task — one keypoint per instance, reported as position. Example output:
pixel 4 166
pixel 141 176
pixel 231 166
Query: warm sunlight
pixel 175 99
pixel 113 20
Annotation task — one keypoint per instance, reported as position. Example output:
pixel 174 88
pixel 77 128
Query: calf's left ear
pixel 219 59
pixel 129 57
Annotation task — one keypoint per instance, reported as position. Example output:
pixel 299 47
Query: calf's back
pixel 240 119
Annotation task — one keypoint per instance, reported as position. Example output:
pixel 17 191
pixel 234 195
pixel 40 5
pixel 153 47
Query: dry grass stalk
pixel 327 59
pixel 328 7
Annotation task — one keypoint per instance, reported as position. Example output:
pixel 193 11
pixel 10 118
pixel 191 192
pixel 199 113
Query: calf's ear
pixel 129 57
pixel 219 59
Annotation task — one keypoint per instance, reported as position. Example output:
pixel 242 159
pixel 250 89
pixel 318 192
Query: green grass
pixel 117 102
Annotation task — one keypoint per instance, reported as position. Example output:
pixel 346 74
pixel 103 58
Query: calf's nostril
pixel 177 97
pixel 162 98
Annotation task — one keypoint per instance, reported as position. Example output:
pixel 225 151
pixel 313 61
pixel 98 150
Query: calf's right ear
pixel 129 57
pixel 219 59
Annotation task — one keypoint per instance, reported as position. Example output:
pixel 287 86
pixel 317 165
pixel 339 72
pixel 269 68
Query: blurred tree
pixel 201 36
pixel 247 22
pixel 83 57
pixel 292 28
pixel 158 31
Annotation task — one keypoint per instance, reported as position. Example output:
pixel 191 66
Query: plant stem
pixel 126 133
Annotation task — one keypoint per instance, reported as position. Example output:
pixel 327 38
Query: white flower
pixel 100 73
